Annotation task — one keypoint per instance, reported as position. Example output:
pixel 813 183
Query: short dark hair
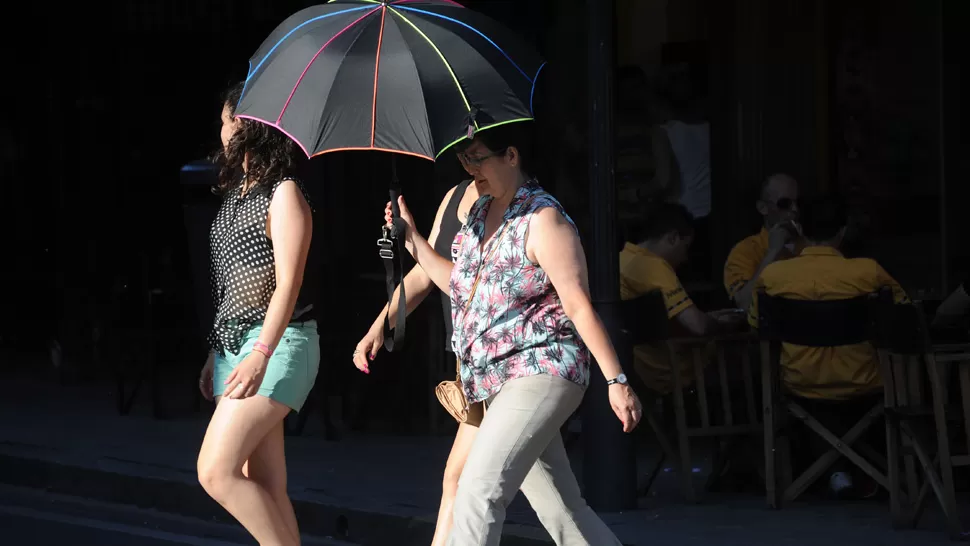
pixel 658 219
pixel 823 218
pixel 519 135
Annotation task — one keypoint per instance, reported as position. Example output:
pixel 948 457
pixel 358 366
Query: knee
pixel 215 478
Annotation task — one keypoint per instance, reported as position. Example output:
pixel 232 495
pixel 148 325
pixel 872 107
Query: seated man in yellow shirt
pixel 663 236
pixel 825 375
pixel 778 239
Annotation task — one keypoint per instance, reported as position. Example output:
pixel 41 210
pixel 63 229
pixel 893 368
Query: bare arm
pixel 437 267
pixel 417 283
pixel 743 296
pixel 290 228
pixel 555 246
pixel 697 322
pixel 778 236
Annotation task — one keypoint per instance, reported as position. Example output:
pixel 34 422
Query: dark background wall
pixel 105 102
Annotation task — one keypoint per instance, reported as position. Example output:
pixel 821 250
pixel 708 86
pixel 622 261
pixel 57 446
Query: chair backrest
pixel 831 323
pixel 645 318
pixel 898 328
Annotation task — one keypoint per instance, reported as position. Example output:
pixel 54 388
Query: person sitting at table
pixel 777 240
pixel 835 384
pixel 663 236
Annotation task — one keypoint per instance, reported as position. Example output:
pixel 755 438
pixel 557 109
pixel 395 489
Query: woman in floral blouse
pixel 524 328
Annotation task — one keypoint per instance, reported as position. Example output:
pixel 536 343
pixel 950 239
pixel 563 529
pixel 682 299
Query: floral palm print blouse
pixel 515 325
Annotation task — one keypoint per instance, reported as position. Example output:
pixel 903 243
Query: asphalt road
pixel 27 527
pixel 40 529
pixel 35 518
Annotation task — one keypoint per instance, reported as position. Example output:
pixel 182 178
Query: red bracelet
pixel 263 348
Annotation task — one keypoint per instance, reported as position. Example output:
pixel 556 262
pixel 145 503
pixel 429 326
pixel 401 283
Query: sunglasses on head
pixel 477 160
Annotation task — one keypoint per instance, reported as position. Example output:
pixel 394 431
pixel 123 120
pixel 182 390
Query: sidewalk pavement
pixel 368 489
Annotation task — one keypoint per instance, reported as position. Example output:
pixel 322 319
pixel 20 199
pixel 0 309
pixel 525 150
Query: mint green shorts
pixel 291 370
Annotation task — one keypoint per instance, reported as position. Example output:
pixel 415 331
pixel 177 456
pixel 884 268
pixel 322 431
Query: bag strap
pixel 478 276
pixel 392 237
pixel 393 278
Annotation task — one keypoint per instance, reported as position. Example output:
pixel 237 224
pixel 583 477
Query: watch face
pixel 621 379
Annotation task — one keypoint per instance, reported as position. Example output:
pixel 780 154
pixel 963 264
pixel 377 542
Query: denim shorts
pixel 291 371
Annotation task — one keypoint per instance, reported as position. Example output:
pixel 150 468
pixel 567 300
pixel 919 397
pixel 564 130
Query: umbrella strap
pixel 392 253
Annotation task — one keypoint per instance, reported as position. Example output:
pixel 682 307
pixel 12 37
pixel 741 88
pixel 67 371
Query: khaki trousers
pixel 519 447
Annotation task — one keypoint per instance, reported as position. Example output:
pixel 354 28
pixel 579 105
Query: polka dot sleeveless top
pixel 242 267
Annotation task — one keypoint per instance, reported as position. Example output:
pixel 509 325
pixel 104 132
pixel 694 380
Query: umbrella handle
pixel 395 207
pixel 396 228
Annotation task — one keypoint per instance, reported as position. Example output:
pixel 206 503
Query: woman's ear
pixel 512 154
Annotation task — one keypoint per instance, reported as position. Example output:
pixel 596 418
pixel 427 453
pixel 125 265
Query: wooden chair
pixel 906 357
pixel 647 322
pixel 814 324
pixel 642 325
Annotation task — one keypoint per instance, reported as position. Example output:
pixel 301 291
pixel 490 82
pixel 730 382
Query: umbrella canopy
pixel 408 76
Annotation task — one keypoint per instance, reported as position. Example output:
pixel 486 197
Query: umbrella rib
pixel 298 27
pixel 370 149
pixel 532 93
pixel 396 2
pixel 278 128
pixel 377 67
pixel 487 127
pixel 443 59
pixel 473 29
pixel 319 51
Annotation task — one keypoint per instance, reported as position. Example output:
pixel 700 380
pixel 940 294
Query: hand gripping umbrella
pixel 412 77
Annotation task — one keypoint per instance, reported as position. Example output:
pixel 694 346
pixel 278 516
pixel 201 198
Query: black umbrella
pixel 412 77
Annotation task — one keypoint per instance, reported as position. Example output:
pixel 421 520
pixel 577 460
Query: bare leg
pixel 236 429
pixel 267 467
pixel 456 462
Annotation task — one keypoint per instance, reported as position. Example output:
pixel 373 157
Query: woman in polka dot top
pixel 265 347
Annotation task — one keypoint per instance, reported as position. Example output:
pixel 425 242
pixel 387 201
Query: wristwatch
pixel 621 379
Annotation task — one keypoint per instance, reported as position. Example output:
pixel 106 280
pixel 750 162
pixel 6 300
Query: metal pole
pixel 941 113
pixel 609 463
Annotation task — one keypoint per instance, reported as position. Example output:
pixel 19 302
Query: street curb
pixel 175 497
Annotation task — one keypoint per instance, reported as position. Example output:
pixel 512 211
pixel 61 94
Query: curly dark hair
pixel 270 155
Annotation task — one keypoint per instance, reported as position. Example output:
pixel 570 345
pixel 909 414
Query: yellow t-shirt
pixel 822 274
pixel 743 261
pixel 642 271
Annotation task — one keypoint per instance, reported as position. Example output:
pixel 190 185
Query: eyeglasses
pixel 477 160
